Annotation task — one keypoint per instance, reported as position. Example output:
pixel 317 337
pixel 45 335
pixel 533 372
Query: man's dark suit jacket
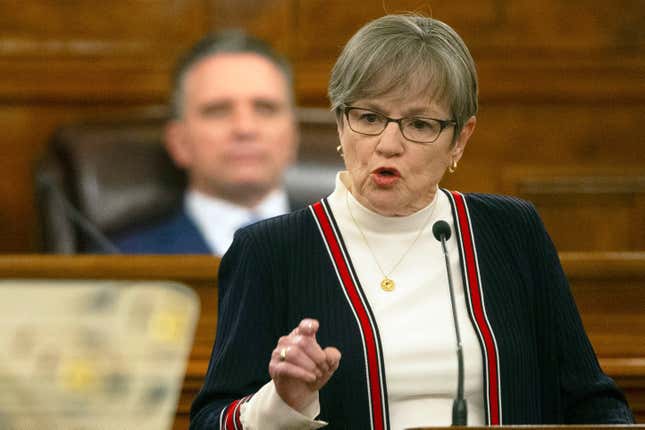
pixel 176 234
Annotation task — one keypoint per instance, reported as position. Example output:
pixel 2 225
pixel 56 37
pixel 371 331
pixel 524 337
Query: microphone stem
pixel 460 355
pixel 460 414
pixel 77 218
pixel 89 228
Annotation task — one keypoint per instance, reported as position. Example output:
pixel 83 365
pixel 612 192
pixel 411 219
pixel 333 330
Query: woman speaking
pixel 342 314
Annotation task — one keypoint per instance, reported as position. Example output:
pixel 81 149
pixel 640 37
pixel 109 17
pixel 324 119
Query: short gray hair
pixel 410 54
pixel 229 42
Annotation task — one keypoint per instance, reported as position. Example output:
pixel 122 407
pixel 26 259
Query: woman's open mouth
pixel 385 176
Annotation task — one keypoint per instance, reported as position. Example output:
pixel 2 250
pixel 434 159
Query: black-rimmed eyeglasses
pixel 416 129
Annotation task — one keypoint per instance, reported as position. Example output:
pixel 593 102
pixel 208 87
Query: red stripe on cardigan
pixel 478 308
pixel 361 312
pixel 229 421
pixel 238 414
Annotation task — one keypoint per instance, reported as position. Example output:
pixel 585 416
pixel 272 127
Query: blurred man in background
pixel 233 129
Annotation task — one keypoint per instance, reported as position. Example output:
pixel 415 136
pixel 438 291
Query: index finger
pixel 308 327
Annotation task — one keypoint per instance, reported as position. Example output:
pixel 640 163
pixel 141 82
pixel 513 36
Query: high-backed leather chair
pixel 104 176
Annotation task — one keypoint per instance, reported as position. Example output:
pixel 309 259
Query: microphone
pixel 441 231
pixel 76 217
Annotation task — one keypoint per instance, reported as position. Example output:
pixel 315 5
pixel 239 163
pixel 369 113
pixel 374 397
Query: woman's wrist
pixel 300 402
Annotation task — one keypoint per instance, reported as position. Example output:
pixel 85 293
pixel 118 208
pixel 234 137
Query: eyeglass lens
pixel 413 128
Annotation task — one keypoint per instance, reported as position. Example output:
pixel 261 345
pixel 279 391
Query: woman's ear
pixel 339 130
pixel 464 135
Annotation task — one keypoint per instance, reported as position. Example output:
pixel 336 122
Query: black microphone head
pixel 441 229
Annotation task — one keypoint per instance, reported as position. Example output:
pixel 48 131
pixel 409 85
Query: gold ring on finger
pixel 283 353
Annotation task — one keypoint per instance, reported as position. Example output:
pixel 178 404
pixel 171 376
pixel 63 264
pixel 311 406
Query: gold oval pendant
pixel 387 284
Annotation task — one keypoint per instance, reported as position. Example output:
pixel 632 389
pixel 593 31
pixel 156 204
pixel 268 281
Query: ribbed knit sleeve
pixel 572 386
pixel 588 395
pixel 259 280
pixel 238 366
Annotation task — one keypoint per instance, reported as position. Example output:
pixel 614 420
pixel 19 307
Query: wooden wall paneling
pixel 513 137
pixel 553 133
pixel 318 135
pixel 584 50
pixel 83 50
pixel 320 31
pixel 324 26
pixel 561 81
pixel 638 219
pixel 598 223
pixel 62 25
pixel 592 209
pixel 271 20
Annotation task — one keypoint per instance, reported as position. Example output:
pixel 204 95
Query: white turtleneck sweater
pixel 415 320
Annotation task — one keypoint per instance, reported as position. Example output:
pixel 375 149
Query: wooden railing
pixel 609 289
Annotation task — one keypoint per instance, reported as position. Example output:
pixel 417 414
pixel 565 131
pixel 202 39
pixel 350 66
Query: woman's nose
pixel 391 140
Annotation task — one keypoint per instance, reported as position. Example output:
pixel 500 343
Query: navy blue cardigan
pixel 539 367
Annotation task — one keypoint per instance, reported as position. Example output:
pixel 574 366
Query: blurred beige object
pixel 93 354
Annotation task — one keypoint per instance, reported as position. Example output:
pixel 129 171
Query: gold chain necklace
pixel 387 284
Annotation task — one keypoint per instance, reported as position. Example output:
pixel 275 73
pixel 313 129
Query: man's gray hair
pixel 229 42
pixel 406 55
